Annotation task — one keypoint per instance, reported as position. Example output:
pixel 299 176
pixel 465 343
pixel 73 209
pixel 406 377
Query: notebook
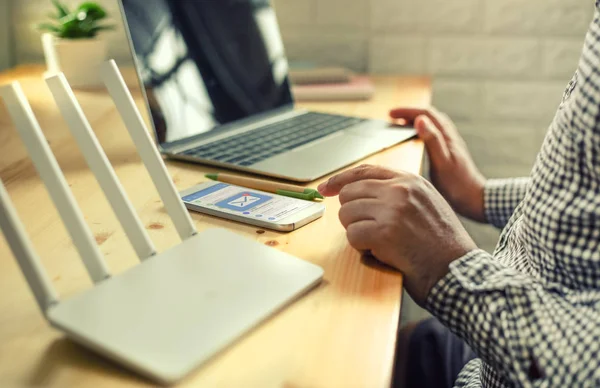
pixel 319 75
pixel 359 88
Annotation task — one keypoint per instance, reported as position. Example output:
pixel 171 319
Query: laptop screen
pixel 207 63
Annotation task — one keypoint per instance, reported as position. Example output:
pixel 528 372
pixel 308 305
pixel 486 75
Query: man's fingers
pixel 359 190
pixel 333 186
pixel 408 114
pixel 434 141
pixel 362 235
pixel 359 210
pixel 411 114
pixel 439 119
pixel 449 129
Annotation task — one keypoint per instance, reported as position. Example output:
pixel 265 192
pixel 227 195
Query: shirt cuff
pixel 474 273
pixel 501 198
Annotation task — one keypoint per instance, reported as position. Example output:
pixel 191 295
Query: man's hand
pixel 452 169
pixel 403 221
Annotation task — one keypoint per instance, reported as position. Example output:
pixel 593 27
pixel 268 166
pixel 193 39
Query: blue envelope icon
pixel 243 201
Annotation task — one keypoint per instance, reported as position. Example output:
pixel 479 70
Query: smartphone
pixel 254 207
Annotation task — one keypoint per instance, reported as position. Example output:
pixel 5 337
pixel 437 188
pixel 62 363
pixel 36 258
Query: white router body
pixel 175 310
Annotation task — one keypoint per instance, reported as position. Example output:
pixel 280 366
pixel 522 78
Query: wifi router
pixel 176 309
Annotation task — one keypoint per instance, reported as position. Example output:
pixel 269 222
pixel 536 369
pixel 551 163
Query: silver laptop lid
pixel 207 64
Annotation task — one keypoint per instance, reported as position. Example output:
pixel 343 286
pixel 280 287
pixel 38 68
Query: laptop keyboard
pixel 271 140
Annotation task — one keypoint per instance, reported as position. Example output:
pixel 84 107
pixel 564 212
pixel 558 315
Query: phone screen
pixel 248 203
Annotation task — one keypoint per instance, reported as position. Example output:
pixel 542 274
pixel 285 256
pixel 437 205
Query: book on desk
pixel 316 83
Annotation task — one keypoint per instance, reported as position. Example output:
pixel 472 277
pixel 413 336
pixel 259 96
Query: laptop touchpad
pixel 310 163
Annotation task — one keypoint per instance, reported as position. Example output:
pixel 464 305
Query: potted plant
pixel 71 43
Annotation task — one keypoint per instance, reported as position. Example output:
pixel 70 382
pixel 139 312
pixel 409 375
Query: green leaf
pixel 95 30
pixel 62 9
pixel 104 28
pixel 92 10
pixel 70 28
pixel 70 18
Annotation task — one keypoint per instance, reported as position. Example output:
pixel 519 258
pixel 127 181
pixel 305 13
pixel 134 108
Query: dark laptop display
pixel 206 63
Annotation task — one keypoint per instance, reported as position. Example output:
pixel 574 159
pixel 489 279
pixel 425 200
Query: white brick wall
pixel 425 16
pixel 489 57
pixel 462 97
pixel 540 17
pixel 559 56
pixel 380 60
pixel 342 13
pixel 525 101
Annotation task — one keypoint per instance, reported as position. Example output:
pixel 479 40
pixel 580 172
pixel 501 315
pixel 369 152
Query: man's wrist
pixel 468 199
pixel 477 201
pixel 463 247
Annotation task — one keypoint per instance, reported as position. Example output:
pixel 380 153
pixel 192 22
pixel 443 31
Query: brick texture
pixel 461 97
pixel 355 13
pixel 295 13
pixel 397 54
pixel 547 17
pixel 484 57
pixel 559 57
pixel 527 101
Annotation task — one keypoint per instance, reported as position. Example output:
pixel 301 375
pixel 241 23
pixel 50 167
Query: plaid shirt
pixel 531 310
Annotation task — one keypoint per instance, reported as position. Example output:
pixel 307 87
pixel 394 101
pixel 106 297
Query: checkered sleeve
pixel 501 198
pixel 530 333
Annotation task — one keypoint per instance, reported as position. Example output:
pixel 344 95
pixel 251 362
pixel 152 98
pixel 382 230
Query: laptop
pixel 215 81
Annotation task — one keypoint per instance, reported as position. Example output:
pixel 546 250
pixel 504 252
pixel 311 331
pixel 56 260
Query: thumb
pixel 434 140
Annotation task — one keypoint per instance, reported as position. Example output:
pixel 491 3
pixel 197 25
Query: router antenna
pixel 147 149
pixel 100 165
pixel 22 249
pixel 49 170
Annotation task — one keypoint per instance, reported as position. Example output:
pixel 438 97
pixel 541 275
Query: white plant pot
pixel 78 59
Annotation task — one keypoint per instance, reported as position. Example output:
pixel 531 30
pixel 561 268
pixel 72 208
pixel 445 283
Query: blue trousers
pixel 435 356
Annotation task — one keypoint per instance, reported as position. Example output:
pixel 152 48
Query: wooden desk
pixel 341 334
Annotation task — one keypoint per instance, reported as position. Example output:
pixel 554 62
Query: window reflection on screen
pixel 207 63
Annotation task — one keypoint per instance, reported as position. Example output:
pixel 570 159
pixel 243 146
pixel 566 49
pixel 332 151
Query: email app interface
pixel 249 203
